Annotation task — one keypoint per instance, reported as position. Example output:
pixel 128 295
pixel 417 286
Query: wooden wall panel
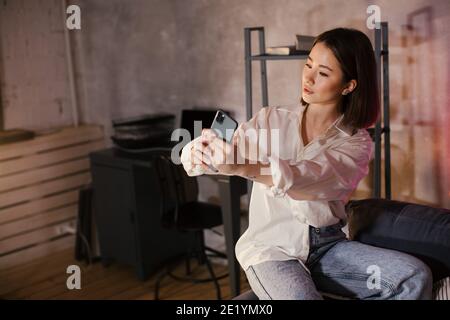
pixel 39 183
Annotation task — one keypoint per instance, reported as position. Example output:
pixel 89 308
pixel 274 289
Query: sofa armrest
pixel 419 230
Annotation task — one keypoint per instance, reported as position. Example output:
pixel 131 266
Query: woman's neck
pixel 322 114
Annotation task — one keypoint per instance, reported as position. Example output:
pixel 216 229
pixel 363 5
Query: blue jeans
pixel 343 268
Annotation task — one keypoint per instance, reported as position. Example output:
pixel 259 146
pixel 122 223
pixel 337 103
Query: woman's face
pixel 322 80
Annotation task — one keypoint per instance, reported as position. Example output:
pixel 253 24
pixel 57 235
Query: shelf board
pixel 280 57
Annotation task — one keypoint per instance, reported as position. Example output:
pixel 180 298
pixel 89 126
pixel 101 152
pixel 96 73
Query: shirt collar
pixel 348 130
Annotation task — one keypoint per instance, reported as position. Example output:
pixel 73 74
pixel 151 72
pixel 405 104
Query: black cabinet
pixel 127 212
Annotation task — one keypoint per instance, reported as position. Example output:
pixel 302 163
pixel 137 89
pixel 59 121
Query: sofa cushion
pixel 419 230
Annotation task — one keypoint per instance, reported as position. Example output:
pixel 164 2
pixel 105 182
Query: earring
pixel 345 92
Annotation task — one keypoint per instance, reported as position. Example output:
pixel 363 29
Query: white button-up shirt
pixel 328 169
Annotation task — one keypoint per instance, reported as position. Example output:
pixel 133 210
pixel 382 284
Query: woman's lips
pixel 307 91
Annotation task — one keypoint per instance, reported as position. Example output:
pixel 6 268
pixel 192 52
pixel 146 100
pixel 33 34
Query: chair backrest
pixel 176 187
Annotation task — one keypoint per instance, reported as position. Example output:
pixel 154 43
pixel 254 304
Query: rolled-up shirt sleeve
pixel 331 175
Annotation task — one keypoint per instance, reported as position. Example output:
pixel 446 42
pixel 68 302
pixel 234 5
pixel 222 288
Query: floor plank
pixel 45 278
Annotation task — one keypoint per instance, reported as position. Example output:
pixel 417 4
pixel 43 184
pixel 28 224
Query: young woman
pixel 304 171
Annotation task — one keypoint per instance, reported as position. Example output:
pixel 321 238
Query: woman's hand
pixel 198 156
pixel 221 154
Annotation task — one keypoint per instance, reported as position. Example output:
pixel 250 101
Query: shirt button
pixel 317 230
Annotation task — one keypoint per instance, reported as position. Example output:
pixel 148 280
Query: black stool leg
pixel 217 253
pixel 201 245
pixel 203 249
pixel 213 276
pixel 167 272
pixel 200 253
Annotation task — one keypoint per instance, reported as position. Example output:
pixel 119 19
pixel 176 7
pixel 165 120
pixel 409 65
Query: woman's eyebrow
pixel 321 65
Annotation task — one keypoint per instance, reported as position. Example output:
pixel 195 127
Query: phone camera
pixel 220 117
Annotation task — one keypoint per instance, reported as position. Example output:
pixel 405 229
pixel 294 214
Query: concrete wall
pixel 136 56
pixel 33 74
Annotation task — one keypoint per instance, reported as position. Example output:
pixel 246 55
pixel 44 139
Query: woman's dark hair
pixel 353 50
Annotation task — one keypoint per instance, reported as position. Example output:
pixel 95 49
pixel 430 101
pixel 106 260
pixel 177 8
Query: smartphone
pixel 224 126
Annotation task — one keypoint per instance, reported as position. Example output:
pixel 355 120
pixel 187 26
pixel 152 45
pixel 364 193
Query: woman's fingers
pixel 201 159
pixel 218 143
pixel 197 145
pixel 223 151
pixel 205 158
pixel 211 150
pixel 235 140
pixel 223 146
pixel 208 135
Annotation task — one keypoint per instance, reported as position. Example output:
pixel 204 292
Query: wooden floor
pixel 46 278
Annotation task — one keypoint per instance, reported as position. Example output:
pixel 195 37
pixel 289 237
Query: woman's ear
pixel 351 85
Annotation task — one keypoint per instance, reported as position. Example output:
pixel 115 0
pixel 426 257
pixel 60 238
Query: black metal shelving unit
pixel 382 60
